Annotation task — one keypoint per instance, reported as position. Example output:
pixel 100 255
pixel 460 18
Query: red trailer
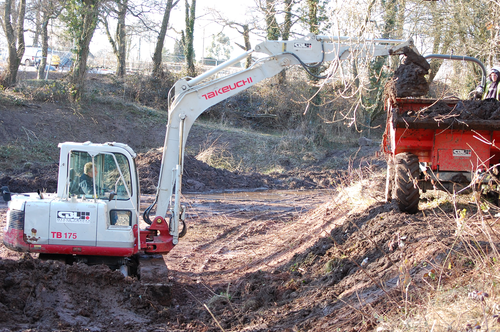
pixel 447 150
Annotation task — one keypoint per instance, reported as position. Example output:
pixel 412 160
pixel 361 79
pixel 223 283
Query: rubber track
pixel 407 192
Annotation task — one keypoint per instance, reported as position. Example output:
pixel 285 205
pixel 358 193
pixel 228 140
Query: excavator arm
pixel 193 96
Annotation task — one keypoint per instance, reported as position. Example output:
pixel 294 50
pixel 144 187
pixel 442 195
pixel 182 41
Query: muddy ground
pixel 318 260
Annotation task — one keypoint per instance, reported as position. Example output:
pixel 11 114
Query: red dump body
pixel 446 142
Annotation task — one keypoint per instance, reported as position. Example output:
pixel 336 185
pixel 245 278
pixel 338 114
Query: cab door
pixel 107 182
pixel 121 199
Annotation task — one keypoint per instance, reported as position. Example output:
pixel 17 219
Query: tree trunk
pixel 273 32
pixel 248 45
pixel 312 114
pixel 313 16
pixel 119 46
pixel 88 20
pixel 287 26
pixel 45 46
pixel 120 39
pixel 38 25
pixel 15 54
pixel 157 56
pixel 189 38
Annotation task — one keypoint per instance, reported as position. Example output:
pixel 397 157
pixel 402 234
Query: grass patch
pixel 43 90
pixel 253 151
pixel 446 202
pixel 461 293
pixel 14 156
pixel 218 157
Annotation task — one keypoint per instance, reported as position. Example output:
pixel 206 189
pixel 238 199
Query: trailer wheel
pixel 389 179
pixel 406 192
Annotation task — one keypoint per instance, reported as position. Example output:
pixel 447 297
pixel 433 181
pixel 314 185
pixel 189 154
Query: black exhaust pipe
pixel 5 193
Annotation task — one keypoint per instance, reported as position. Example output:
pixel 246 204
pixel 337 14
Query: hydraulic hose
pixel 306 66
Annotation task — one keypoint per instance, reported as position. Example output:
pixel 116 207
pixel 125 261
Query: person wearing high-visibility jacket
pixel 491 91
pixel 492 88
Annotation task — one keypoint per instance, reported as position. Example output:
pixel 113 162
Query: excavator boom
pixel 192 96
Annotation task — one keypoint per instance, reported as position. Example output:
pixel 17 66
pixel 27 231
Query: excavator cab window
pixel 104 173
pixel 120 217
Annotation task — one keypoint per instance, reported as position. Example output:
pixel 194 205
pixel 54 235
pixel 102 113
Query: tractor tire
pixel 389 180
pixel 406 191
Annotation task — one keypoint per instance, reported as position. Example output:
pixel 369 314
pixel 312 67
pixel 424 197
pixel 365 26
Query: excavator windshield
pixel 97 176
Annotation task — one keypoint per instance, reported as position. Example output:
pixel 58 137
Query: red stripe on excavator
pixel 81 250
pixel 14 239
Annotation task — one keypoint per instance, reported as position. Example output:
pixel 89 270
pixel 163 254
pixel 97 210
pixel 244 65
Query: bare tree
pixel 461 28
pixel 49 10
pixel 189 38
pixel 157 56
pixel 13 26
pixel 243 28
pixel 81 18
pixel 117 9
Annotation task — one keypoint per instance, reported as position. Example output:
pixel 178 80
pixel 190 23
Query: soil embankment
pixel 200 177
pixel 251 262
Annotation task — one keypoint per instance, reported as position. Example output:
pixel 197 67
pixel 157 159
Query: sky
pixel 204 29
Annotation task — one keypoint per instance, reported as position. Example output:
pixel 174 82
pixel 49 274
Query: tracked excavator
pixel 98 223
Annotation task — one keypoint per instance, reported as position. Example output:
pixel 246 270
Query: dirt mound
pixel 488 109
pixel 344 281
pixel 48 295
pixel 409 79
pixel 34 177
pixel 362 269
pixel 198 177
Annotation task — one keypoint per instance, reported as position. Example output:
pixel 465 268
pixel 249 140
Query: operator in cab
pixel 86 182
